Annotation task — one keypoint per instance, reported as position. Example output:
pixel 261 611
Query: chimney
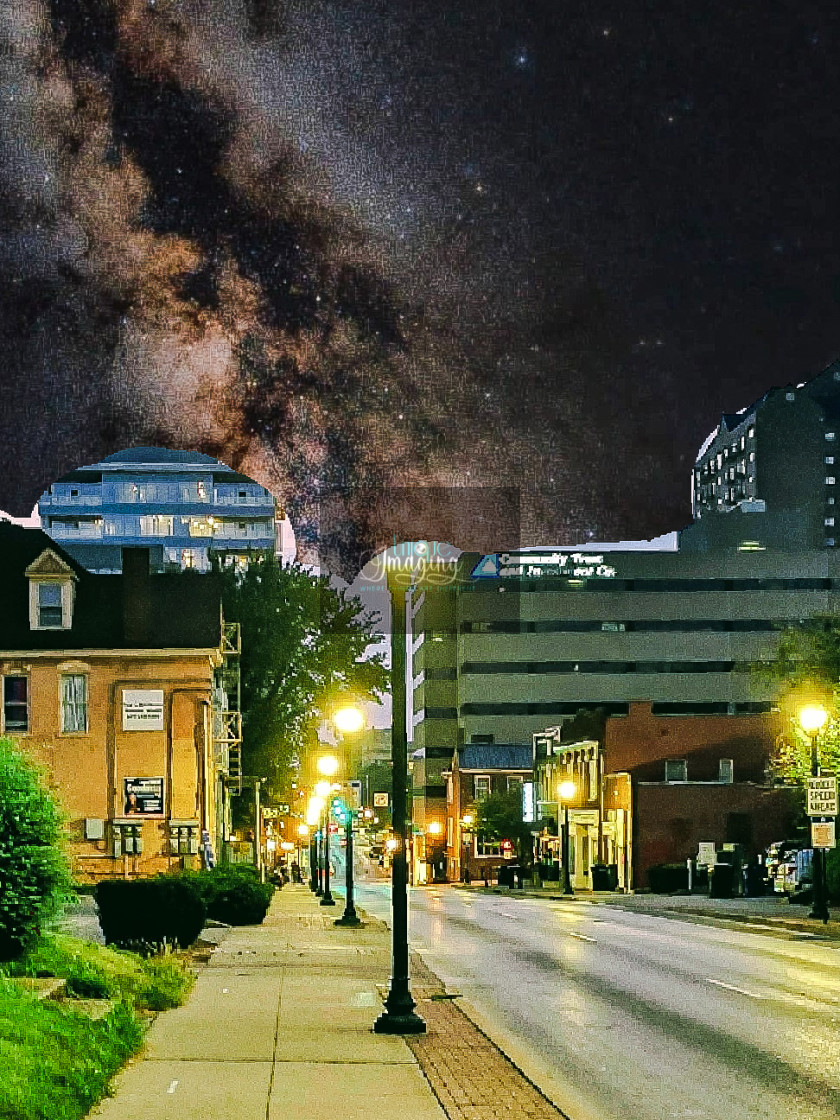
pixel 136 597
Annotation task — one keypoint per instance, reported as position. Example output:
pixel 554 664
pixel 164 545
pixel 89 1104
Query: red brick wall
pixel 671 819
pixel 640 742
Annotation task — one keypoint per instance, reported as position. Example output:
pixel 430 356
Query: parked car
pixel 783 866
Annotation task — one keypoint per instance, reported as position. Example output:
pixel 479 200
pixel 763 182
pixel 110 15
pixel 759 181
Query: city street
pixel 619 1014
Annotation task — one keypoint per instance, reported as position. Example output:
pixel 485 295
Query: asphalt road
pixel 627 1016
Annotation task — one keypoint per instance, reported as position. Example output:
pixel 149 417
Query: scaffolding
pixel 227 716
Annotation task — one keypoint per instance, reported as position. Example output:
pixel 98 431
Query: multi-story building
pixel 650 789
pixel 766 477
pixel 528 639
pixel 117 686
pixel 187 508
pixel 476 772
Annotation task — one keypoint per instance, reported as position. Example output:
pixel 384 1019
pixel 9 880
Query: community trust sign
pixel 142 709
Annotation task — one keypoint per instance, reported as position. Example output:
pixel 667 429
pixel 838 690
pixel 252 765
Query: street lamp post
pixel 313 817
pixel 313 861
pixel 399 1016
pixel 812 719
pixel 565 792
pixel 327 765
pixel 348 720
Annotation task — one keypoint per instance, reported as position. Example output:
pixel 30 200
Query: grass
pixel 55 1062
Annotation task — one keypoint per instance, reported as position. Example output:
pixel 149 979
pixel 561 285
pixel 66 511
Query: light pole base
pixel 399 1024
pixel 819 915
pixel 348 920
pixel 328 900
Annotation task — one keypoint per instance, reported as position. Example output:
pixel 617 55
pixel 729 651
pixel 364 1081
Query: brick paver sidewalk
pixel 470 1076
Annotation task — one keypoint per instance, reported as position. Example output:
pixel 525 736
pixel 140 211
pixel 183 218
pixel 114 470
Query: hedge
pixel 232 894
pixel 144 914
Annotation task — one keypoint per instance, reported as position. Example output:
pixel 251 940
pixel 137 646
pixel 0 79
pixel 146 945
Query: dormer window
pixel 50 615
pixel 51 593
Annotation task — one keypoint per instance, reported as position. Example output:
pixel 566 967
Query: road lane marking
pixel 581 937
pixel 173 1085
pixel 733 988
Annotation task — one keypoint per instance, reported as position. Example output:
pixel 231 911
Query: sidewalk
pixel 772 912
pixel 279 1027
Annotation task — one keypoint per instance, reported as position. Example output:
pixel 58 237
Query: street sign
pixel 822 834
pixel 354 790
pixel 822 796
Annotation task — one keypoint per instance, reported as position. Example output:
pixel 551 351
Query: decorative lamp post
pixel 812 719
pixel 348 719
pixel 327 765
pixel 302 838
pixel 313 815
pixel 466 833
pixel 565 793
pixel 399 1016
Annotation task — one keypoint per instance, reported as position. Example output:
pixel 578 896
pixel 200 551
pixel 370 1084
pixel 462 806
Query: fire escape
pixel 227 721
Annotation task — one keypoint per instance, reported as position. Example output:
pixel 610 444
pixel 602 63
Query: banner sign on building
pixel 534 564
pixel 142 709
pixel 528 804
pixel 143 797
pixel 380 801
pixel 822 796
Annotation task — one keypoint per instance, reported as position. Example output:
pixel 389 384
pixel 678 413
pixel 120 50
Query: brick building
pixel 115 684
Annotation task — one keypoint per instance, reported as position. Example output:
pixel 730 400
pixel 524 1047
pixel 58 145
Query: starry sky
pixel 479 272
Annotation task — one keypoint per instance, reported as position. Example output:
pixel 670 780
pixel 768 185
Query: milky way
pixel 302 238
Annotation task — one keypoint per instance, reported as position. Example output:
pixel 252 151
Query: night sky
pixel 361 248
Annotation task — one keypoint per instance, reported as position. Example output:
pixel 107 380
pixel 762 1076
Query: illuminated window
pixel 829 480
pixel 830 435
pixel 482 786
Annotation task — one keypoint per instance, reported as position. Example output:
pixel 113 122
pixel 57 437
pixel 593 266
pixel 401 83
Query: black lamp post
pixel 326 897
pixel 349 917
pixel 399 1016
pixel 812 719
pixel 566 791
pixel 313 861
pixel 319 843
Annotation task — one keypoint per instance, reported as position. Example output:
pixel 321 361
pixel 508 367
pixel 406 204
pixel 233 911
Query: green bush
pixel 145 914
pixel 55 1063
pixel 166 983
pixel 34 870
pixel 232 894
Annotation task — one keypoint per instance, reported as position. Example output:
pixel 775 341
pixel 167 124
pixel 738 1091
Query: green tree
pixel 806 670
pixel 304 644
pixel 499 817
pixel 34 870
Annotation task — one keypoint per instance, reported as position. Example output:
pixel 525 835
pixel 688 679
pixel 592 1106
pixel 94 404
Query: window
pixel 74 704
pixel 243 495
pixel 15 703
pixel 790 396
pixel 829 459
pixel 49 606
pixel 482 786
pixel 726 771
pixel 157 525
pixel 74 491
pixel 514 781
pixel 676 770
pixel 485 847
pixel 829 521
pixel 830 435
pixel 829 480
pixel 751 433
pixel 201 490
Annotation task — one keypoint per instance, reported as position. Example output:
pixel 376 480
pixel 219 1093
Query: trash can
pixel 503 875
pixel 601 878
pixel 721 880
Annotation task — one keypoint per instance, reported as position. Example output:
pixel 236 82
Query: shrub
pixel 145 914
pixel 34 870
pixel 166 983
pixel 665 878
pixel 232 894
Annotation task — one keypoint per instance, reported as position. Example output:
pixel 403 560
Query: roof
pixel 161 455
pixel 184 608
pixel 495 756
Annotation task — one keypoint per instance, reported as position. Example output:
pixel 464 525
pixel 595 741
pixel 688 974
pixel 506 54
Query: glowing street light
pixel 349 719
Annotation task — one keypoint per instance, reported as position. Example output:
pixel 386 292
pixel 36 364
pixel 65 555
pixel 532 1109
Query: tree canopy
pixel 807 671
pixel 499 817
pixel 304 647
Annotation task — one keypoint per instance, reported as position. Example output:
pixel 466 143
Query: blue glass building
pixel 185 507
